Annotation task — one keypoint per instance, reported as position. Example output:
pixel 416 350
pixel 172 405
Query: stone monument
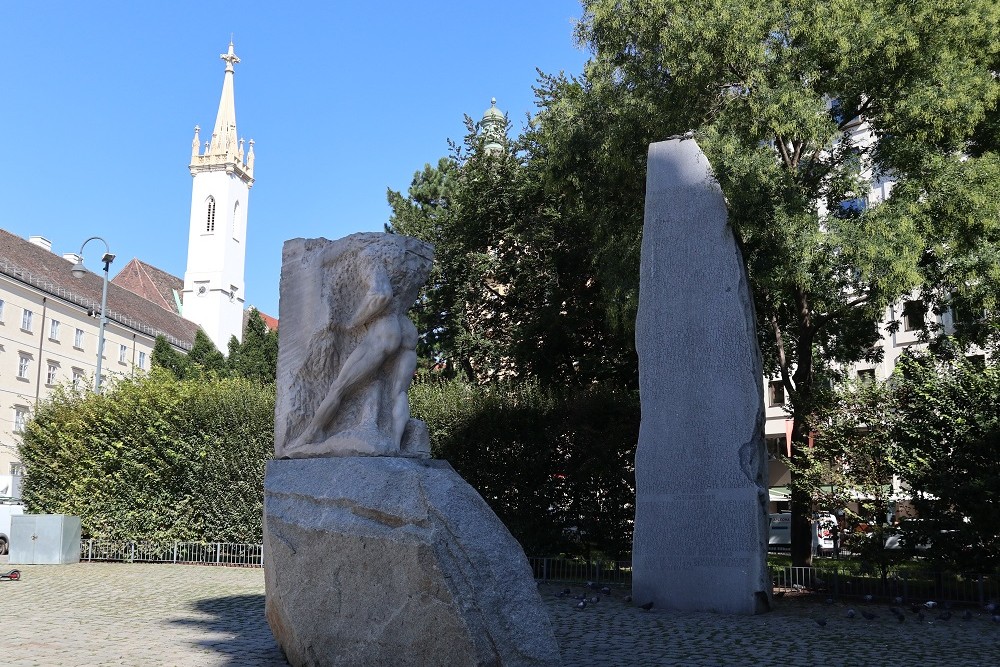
pixel 700 540
pixel 374 553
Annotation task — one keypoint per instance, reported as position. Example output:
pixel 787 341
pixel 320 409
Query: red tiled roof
pixel 150 283
pixel 36 266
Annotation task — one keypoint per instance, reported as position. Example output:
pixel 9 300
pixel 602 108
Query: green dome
pixel 493 115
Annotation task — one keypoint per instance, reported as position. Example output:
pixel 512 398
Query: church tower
pixel 222 178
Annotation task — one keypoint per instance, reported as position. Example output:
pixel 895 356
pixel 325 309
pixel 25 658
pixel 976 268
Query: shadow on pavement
pixel 235 628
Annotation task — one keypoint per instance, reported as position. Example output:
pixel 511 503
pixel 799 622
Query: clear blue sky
pixel 98 102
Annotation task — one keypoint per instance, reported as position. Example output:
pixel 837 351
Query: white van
pixel 7 510
pixel 824 523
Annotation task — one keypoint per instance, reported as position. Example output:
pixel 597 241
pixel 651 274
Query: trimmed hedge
pixel 154 458
pixel 556 467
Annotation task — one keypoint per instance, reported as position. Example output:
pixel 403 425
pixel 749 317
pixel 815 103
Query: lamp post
pixel 79 270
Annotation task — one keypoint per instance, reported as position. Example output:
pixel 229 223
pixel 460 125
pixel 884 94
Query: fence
pixel 909 584
pixel 836 581
pixel 188 553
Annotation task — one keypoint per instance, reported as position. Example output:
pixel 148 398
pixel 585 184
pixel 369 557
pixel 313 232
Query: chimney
pixel 72 257
pixel 41 242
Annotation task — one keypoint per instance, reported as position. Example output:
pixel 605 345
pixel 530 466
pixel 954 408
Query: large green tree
pixel 513 293
pixel 775 91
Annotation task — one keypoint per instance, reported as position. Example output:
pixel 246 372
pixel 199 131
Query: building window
pixel 866 376
pixel 26 320
pixel 23 364
pixel 977 361
pixel 776 393
pixel 54 330
pixel 78 339
pixel 20 419
pixel 122 353
pixel 77 378
pixel 913 315
pixel 51 373
pixel 17 468
pixel 142 360
pixel 775 446
pixel 210 220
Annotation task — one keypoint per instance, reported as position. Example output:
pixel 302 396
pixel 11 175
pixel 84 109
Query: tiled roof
pixel 270 322
pixel 150 283
pixel 36 266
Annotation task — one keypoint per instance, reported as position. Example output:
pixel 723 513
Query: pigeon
pixel 606 591
pixel 930 604
pixel 798 587
pixel 828 601
pixel 628 598
pixel 868 598
pixel 565 591
pixel 647 606
pixel 563 594
pixel 594 600
pixel 898 599
pixel 868 615
pixel 582 604
pixel 821 622
pixel 851 613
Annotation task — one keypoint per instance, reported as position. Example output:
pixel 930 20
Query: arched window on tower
pixel 210 221
pixel 236 222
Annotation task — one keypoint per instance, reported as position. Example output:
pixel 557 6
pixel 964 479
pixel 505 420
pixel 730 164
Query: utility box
pixel 44 539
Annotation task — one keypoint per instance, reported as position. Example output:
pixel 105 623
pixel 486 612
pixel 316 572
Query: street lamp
pixel 79 270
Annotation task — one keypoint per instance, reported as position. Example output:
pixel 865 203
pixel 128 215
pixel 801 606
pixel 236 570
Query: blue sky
pixel 98 102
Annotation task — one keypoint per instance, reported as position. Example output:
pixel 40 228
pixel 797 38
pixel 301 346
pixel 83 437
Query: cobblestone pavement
pixel 115 614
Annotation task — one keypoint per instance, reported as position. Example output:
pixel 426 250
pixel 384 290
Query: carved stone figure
pixel 347 348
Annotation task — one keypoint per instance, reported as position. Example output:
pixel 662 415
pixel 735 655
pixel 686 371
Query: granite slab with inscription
pixel 700 539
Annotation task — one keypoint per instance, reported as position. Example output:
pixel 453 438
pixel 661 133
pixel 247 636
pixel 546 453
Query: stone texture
pixel 347 349
pixel 701 477
pixel 394 561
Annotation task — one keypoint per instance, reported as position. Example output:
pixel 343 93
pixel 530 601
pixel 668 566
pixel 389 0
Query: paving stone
pixel 118 614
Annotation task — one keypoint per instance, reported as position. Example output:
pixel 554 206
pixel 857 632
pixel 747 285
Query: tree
pixel 205 356
pixel 513 293
pixel 774 91
pixel 166 357
pixel 947 429
pixel 851 465
pixel 256 358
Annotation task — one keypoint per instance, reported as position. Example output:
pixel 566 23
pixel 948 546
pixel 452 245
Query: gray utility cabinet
pixel 44 539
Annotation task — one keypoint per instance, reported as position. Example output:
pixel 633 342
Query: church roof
pixel 150 283
pixel 36 266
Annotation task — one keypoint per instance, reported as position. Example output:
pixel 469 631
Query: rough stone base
pixel 394 561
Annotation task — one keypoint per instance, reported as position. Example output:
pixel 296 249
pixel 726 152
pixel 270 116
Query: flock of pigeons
pixel 590 596
pixel 927 612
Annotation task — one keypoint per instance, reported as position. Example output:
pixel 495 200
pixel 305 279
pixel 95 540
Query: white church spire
pixel 222 178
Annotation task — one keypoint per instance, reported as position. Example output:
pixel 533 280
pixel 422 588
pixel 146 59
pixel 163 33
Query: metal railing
pixel 902 583
pixel 187 553
pixel 599 572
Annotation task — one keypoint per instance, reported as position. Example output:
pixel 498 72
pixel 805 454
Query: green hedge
pixel 154 458
pixel 556 467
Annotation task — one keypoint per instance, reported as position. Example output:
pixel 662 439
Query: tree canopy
pixel 776 93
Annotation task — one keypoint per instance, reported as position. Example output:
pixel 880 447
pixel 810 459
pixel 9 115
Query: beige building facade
pixel 49 335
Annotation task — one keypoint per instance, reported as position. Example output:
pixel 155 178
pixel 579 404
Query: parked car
pixel 7 510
